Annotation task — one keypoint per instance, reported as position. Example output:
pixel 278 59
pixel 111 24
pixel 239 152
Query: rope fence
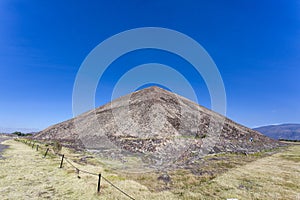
pixel 71 163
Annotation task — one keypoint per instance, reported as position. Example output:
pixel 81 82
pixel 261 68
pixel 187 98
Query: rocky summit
pixel 158 126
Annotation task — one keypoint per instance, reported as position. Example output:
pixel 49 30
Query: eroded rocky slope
pixel 159 126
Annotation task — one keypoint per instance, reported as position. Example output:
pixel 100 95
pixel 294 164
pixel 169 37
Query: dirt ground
pixel 25 174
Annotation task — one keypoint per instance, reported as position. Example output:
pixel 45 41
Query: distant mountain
pixel 283 131
pixel 23 130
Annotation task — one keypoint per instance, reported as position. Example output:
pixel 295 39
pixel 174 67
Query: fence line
pixel 77 169
pixel 117 188
pixel 80 169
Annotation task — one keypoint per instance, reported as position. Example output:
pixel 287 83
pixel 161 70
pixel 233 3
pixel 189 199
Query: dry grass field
pixel 25 174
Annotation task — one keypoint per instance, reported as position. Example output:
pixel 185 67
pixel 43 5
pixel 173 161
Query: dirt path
pixel 2 147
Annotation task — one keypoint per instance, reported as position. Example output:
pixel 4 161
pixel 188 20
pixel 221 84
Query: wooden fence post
pixel 46 152
pixel 62 160
pixel 37 147
pixel 99 180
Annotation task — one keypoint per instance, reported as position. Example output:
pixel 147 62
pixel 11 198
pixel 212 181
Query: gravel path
pixel 2 147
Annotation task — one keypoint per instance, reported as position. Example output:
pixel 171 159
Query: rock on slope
pixel 160 126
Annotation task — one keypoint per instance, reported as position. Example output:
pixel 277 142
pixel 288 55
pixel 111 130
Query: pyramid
pixel 158 125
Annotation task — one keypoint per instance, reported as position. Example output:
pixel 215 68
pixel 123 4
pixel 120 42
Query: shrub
pixel 19 133
pixel 57 146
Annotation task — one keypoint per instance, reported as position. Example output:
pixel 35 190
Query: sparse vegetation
pixel 20 134
pixel 286 140
pixel 57 146
pixel 221 176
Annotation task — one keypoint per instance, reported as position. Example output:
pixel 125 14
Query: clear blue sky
pixel 255 44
